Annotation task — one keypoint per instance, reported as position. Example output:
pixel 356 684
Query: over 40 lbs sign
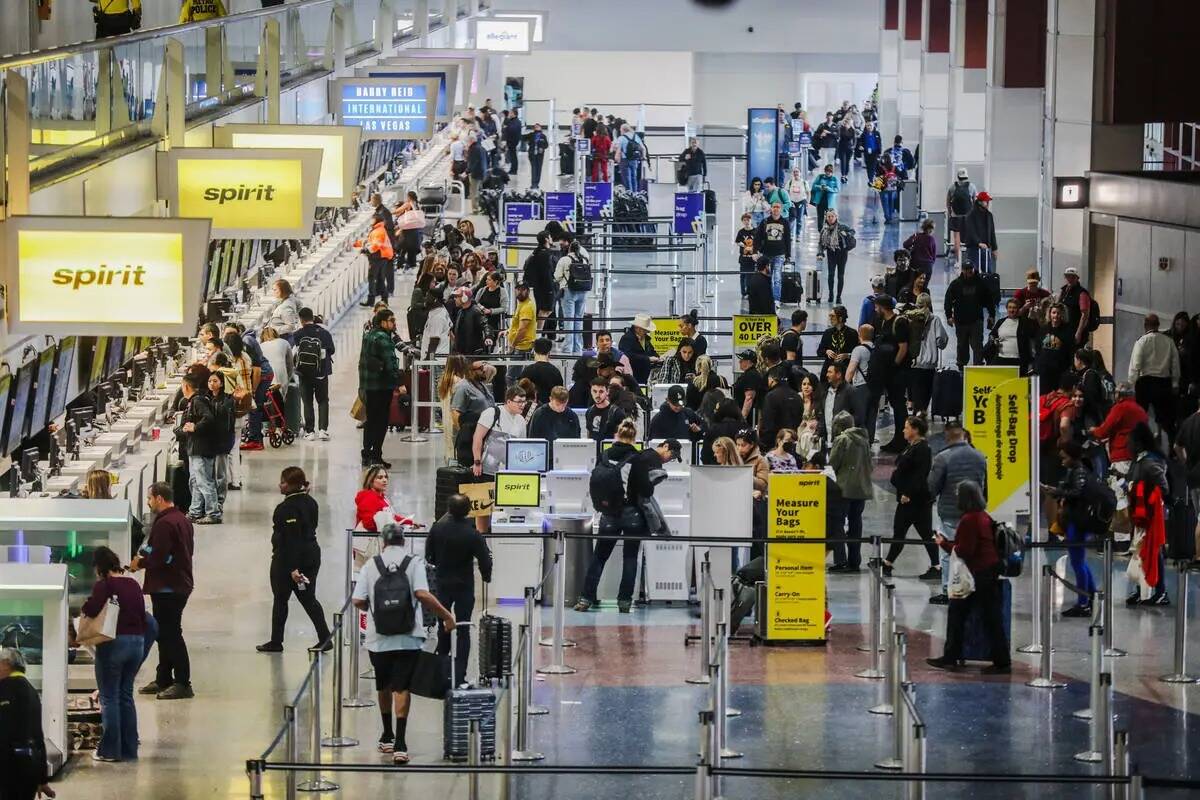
pixel 749 328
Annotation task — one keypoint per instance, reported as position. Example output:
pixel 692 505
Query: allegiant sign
pixel 104 276
pixel 247 193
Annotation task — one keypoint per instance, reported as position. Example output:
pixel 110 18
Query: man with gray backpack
pixel 390 587
pixel 313 354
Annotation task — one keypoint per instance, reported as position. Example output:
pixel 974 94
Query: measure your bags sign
pixel 996 413
pixel 749 328
pixel 796 572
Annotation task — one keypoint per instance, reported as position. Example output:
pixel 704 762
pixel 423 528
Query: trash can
pixel 578 554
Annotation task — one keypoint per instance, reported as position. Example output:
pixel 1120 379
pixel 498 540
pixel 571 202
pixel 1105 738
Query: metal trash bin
pixel 578 554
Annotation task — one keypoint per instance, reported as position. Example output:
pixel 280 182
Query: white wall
pixel 612 81
pixel 780 26
pixel 825 91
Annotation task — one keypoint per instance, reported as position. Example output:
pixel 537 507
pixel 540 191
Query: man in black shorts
pixel 394 655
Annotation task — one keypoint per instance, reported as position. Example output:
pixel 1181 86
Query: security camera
pixel 750 29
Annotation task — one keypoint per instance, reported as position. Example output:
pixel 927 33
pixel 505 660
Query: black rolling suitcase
pixel 589 328
pixel 947 393
pixel 710 201
pixel 987 268
pixel 461 707
pixel 447 481
pixel 495 644
pixel 791 289
pixel 566 159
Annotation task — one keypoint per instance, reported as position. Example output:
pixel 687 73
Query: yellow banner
pixel 749 328
pixel 242 193
pixel 996 413
pixel 665 335
pixel 796 572
pixel 96 277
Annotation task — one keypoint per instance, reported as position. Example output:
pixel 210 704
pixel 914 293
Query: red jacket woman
pixel 373 498
pixel 601 149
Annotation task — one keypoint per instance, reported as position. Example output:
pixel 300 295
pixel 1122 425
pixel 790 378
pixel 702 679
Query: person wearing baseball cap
pixel 1078 301
pixel 960 199
pixel 674 420
pixel 749 387
pixel 866 311
pixel 968 300
pixel 979 233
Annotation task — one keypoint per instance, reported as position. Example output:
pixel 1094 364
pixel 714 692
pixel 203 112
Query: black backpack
pixel 633 149
pixel 1009 547
pixel 392 606
pixel 849 238
pixel 1101 502
pixel 579 274
pixel 960 199
pixel 310 357
pixel 1093 314
pixel 607 485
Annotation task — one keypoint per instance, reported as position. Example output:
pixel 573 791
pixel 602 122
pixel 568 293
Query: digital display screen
pixel 518 489
pixel 5 390
pixel 41 391
pixel 63 372
pixel 116 354
pixel 439 76
pixel 527 455
pixel 96 371
pixel 18 407
pixel 387 108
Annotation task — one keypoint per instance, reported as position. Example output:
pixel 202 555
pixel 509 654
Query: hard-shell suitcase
pixel 446 482
pixel 400 412
pixel 791 286
pixel 566 159
pixel 947 393
pixel 812 284
pixel 291 409
pixel 588 330
pixel 495 647
pixel 975 641
pixel 460 708
pixel 710 201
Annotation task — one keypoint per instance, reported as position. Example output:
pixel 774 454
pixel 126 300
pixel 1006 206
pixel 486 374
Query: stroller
pixel 278 433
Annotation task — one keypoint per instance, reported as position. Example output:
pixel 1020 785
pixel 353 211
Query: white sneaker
pixel 310 437
pixel 323 436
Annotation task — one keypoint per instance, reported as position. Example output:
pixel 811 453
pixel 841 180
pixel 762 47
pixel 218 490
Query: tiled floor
pixel 802 708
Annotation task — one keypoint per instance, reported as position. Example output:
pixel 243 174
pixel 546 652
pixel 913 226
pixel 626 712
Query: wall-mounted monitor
pixel 18 407
pixel 503 35
pixel 445 74
pixel 41 391
pixel 518 489
pixel 527 455
pixel 6 383
pixel 63 374
pixel 338 145
pixel 540 19
pixel 386 108
pixel 115 357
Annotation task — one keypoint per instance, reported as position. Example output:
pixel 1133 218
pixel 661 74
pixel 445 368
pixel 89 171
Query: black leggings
pixel 910 515
pixel 835 266
pixel 282 589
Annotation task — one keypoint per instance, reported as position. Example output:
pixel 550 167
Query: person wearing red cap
pixel 979 233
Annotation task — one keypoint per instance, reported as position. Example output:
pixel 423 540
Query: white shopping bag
pixel 962 582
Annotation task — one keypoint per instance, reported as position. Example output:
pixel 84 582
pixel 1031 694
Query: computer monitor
pixel 63 373
pixel 102 392
pixel 82 417
pixel 96 371
pixel 518 489
pixel 18 408
pixel 29 459
pixel 527 455
pixel 41 391
pixel 6 383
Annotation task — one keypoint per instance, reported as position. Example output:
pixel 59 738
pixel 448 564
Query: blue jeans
pixel 254 420
pixel 850 554
pixel 756 218
pixel 150 636
pixel 777 276
pixel 1079 565
pixel 797 217
pixel 573 305
pixel 629 523
pixel 629 174
pixel 203 483
pixel 117 663
pixel 888 200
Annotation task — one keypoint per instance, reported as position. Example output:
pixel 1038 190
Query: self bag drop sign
pixel 996 413
pixel 104 276
pixel 247 193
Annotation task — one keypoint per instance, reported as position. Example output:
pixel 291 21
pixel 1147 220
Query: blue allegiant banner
pixel 762 144
pixel 597 197
pixel 689 212
pixel 560 206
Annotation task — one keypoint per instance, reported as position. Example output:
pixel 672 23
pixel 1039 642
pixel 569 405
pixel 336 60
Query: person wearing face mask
pixel 295 560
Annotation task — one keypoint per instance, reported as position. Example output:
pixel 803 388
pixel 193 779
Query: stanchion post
pixel 896 760
pixel 893 672
pixel 705 624
pixel 703 789
pixel 291 742
pixel 524 688
pixel 1180 673
pixel 413 433
pixel 1045 679
pixel 353 640
pixel 1106 583
pixel 504 743
pixel 526 676
pixel 721 700
pixel 875 671
pixel 1095 649
pixel 723 643
pixel 336 739
pixel 915 789
pixel 560 588
pixel 474 755
pixel 1120 764
pixel 254 772
pixel 317 783
pixel 1036 534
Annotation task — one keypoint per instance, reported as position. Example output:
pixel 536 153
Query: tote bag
pixel 101 628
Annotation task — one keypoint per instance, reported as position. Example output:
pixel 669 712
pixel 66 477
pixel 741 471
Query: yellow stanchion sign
pixel 749 328
pixel 796 572
pixel 665 335
pixel 996 405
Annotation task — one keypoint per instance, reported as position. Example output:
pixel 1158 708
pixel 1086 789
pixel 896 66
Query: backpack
pixel 607 484
pixel 849 238
pixel 960 199
pixel 1048 412
pixel 1093 314
pixel 310 357
pixel 579 274
pixel 1009 547
pixel 633 149
pixel 1101 503
pixel 392 605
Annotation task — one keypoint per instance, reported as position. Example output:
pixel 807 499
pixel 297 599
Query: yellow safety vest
pixel 117 6
pixel 200 10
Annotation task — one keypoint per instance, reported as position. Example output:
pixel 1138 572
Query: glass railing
pixel 88 101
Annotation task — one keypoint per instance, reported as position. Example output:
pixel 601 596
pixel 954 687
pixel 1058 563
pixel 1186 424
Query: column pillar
pixel 968 86
pixel 1075 137
pixel 910 75
pixel 935 107
pixel 1016 79
pixel 889 70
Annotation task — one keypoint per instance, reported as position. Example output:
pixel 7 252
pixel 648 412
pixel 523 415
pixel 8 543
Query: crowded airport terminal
pixel 549 400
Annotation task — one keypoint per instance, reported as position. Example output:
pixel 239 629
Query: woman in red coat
pixel 372 499
pixel 601 150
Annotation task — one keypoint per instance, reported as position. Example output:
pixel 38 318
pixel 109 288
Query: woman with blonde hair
pixel 705 379
pixel 97 485
pixel 372 500
pixel 726 453
pixel 455 372
pixel 278 354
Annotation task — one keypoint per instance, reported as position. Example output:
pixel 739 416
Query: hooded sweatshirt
pixel 850 458
pixel 671 424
